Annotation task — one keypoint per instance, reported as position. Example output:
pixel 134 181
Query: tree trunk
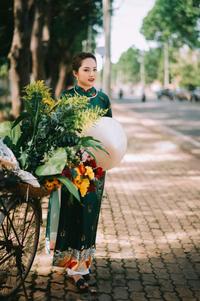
pixel 20 52
pixel 53 72
pixel 38 71
pixel 107 63
pixel 64 74
pixel 62 78
pixel 166 64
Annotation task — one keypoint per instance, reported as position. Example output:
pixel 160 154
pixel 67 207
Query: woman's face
pixel 86 74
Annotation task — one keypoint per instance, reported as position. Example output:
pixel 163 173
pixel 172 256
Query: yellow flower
pixel 48 101
pixel 89 172
pixel 77 181
pixel 84 187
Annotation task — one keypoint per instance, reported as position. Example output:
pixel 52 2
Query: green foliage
pixel 70 186
pixel 71 19
pixel 49 135
pixel 69 27
pixel 90 142
pixel 190 77
pixel 67 24
pixel 3 70
pixel 185 68
pixel 54 164
pixel 152 62
pixel 6 129
pixel 128 67
pixel 36 87
pixel 79 116
pixel 175 20
pixel 47 125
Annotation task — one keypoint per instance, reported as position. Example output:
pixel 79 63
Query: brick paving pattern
pixel 149 231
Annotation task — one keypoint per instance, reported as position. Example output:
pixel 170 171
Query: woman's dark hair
pixel 79 57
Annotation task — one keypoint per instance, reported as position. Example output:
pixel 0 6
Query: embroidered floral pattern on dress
pixel 74 259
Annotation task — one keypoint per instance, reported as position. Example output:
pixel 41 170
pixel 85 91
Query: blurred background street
pixel 180 116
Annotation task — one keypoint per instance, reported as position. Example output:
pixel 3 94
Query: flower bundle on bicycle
pixel 48 140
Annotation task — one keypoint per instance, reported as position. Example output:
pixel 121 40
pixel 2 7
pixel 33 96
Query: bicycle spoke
pixel 8 224
pixel 19 233
pixel 3 247
pixel 25 224
pixel 27 229
pixel 25 217
pixel 4 259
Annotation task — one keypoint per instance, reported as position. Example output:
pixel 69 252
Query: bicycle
pixel 20 220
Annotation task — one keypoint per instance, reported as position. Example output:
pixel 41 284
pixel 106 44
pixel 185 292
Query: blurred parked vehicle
pixel 182 94
pixel 195 94
pixel 165 93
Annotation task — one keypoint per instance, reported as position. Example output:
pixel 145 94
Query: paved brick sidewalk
pixel 149 232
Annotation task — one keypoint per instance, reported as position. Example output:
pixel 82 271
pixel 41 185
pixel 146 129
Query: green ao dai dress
pixel 73 234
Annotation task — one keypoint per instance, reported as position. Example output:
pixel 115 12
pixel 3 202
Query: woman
pixel 75 242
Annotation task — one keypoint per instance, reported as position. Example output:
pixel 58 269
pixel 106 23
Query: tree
pixel 69 26
pixel 6 28
pixel 152 62
pixel 174 20
pixel 22 29
pixel 20 51
pixel 128 67
pixel 173 23
pixel 185 68
pixel 42 9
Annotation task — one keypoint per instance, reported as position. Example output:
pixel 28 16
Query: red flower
pixel 66 172
pixel 99 172
pixel 91 163
pixel 92 187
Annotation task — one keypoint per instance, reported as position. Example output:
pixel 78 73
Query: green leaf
pixel 15 133
pixel 54 164
pixel 70 186
pixel 22 116
pixel 91 154
pixel 29 108
pixel 89 141
pixel 6 129
pixel 23 159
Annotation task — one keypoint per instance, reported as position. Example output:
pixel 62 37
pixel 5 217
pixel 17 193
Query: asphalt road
pixel 180 116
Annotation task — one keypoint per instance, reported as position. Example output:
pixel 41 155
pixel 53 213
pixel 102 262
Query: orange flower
pixel 52 184
pixel 81 168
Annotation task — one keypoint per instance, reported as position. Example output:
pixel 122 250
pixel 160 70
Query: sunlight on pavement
pixel 150 157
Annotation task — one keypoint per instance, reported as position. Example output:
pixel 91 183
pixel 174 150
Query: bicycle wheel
pixel 19 235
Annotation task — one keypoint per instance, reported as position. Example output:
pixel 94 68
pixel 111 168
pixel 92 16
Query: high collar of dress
pixel 89 93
